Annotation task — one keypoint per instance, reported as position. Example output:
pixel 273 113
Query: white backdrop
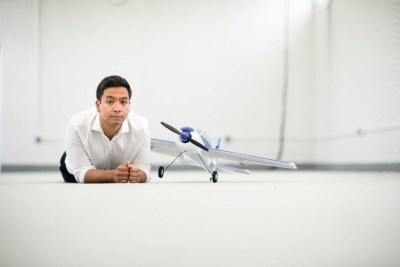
pixel 216 65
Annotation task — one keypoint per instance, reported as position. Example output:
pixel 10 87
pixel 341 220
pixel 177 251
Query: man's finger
pixel 135 180
pixel 133 168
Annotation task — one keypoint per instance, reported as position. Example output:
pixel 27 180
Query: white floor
pixel 275 218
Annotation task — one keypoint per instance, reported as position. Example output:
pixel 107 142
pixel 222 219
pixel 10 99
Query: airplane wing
pixel 242 158
pixel 164 147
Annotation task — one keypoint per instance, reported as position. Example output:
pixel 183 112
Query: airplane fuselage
pixel 195 153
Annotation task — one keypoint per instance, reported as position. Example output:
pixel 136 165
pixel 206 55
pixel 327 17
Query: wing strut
pixel 204 164
pixel 173 161
pixel 161 168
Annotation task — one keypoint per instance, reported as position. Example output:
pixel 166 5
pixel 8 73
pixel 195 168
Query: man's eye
pixel 124 102
pixel 109 102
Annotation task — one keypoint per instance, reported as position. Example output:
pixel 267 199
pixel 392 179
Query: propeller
pixel 185 136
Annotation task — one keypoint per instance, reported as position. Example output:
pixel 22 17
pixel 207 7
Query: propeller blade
pixel 169 127
pixel 194 142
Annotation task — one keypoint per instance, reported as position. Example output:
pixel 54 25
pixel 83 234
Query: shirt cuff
pixel 147 172
pixel 80 174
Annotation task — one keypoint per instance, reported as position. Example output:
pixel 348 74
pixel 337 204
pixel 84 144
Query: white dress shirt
pixel 87 146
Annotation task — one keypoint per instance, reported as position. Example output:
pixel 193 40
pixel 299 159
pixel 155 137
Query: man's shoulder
pixel 84 117
pixel 137 120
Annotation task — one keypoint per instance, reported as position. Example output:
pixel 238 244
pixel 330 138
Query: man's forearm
pixel 99 176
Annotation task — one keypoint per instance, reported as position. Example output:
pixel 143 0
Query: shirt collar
pixel 97 126
pixel 125 127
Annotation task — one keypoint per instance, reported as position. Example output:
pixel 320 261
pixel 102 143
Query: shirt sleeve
pixel 142 158
pixel 77 161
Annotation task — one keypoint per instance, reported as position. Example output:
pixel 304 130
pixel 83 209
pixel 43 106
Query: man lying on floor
pixel 108 143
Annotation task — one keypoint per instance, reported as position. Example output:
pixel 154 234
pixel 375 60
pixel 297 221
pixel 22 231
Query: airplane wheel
pixel 161 172
pixel 215 176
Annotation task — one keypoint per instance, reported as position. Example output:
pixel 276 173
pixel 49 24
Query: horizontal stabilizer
pixel 232 169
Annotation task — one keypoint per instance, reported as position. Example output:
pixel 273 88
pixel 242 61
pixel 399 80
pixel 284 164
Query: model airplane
pixel 196 146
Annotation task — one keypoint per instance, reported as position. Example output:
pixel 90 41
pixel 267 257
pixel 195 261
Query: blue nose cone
pixel 185 137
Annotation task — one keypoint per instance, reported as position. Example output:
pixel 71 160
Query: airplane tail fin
pixel 219 142
pixel 231 169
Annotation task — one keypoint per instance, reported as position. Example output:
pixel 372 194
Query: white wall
pixel 357 84
pixel 19 48
pixel 216 65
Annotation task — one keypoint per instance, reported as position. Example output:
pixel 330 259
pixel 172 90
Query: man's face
pixel 114 106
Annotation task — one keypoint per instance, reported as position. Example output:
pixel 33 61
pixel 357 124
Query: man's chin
pixel 117 119
pixel 116 122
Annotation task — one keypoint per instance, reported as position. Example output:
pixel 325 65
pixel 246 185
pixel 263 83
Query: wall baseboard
pixel 301 167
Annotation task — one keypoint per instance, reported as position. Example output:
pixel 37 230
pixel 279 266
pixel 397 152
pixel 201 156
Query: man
pixel 108 143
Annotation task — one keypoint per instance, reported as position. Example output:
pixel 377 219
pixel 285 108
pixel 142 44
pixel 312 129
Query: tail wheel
pixel 161 171
pixel 215 176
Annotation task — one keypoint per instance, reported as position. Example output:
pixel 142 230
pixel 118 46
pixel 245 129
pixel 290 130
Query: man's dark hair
pixel 112 81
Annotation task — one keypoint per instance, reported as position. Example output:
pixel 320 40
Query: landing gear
pixel 161 171
pixel 215 176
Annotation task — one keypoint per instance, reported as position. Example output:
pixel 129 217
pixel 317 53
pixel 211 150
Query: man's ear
pixel 97 103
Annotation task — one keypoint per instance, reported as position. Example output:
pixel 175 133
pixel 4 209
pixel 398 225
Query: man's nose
pixel 117 107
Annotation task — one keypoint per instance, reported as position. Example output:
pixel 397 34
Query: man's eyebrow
pixel 125 97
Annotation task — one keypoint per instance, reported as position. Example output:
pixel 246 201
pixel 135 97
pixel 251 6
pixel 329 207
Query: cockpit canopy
pixel 206 138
